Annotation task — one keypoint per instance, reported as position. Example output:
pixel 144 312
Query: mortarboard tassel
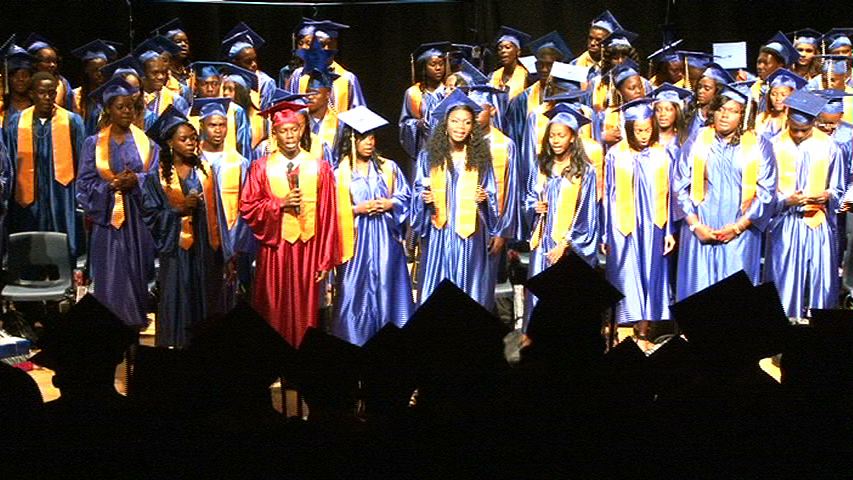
pixel 412 65
pixel 687 84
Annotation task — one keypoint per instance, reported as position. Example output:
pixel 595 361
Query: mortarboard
pixel 328 28
pixel 837 38
pixel 804 107
pixel 4 48
pixel 785 78
pixel 432 49
pixel 205 107
pixel 564 114
pixel 718 74
pixel 327 370
pixel 667 53
pixel 283 112
pixel 738 91
pixel 572 96
pixel 169 119
pixel 281 95
pixel 696 59
pixel 18 58
pixel 122 66
pixel 456 99
pixel 670 93
pixel 362 119
pixel 36 42
pixel 247 78
pixel 305 27
pixel 463 51
pixel 205 70
pixel 240 37
pixel 148 50
pixel 115 86
pixel 620 38
pixel 170 28
pixel 780 44
pixel 509 34
pixel 484 94
pixel 551 42
pixel 167 45
pixel 474 75
pixel 96 49
pixel 835 100
pixel 836 64
pixel 566 72
pixel 808 36
pixel 606 21
pixel 625 70
pixel 243 27
pixel 638 109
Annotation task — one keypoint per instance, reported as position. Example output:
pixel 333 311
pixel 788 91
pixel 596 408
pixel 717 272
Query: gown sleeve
pixel 260 210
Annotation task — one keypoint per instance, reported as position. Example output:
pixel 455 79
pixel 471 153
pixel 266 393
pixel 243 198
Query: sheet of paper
pixel 730 55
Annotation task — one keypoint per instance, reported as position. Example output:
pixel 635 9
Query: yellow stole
pixel 77 100
pixel 564 211
pixel 164 98
pixel 585 60
pixel 416 98
pixel 295 227
pixel 749 177
pixel 625 214
pixel 102 164
pixel 61 92
pixel 516 81
pixel 466 209
pixel 499 144
pixel 787 154
pixel 63 154
pixel 176 198
pixel 847 103
pixel 541 124
pixel 599 95
pixel 595 153
pixel 328 128
pixel 534 97
pixel 173 84
pixel 755 91
pixel 346 219
pixel 231 169
pixel 340 87
pixel 231 122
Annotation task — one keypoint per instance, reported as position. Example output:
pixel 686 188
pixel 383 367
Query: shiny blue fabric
pixel 374 288
pixel 803 261
pixel 356 96
pixel 178 102
pixel 121 261
pixel 414 133
pixel 444 254
pixel 238 239
pixel 585 232
pixel 635 263
pixel 702 265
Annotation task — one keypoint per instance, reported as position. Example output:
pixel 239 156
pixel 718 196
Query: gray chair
pixel 39 267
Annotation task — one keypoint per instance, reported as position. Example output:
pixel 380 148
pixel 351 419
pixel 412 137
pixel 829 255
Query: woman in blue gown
pixel 373 287
pixel 430 70
pixel 454 206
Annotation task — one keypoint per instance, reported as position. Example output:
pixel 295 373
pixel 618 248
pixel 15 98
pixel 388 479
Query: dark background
pixel 377 46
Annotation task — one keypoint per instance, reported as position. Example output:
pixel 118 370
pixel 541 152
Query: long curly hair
pixel 693 107
pixel 346 148
pixel 166 156
pixel 478 154
pixel 579 160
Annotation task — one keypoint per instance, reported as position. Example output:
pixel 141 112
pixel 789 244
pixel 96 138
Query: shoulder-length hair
pixel 579 160
pixel 478 154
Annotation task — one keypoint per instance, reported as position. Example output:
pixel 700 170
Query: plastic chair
pixel 41 255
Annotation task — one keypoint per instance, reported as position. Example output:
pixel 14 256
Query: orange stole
pixel 102 163
pixel 229 190
pixel 595 153
pixel 564 211
pixel 61 92
pixel 77 100
pixel 599 95
pixel 786 160
pixel 585 60
pixel 346 218
pixel 63 154
pixel 175 196
pixel 295 227
pixel 625 217
pixel 416 98
pixel 541 125
pixel 466 210
pixel 516 81
pixel 534 97
pixel 499 144
pixel 749 152
pixel 847 103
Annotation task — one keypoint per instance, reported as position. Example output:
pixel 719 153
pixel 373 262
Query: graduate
pixel 240 47
pixel 777 53
pixel 180 79
pixel 208 81
pixel 725 187
pixel 830 122
pixel 308 140
pixel 241 86
pixel 669 104
pixel 627 85
pixel 511 74
pixel 346 90
pixel 155 73
pixel 637 233
pixel 45 142
pixel 230 170
pixel 454 206
pixel 130 70
pixel 801 255
pixel 617 51
pixel 695 64
pixel 667 65
pixel 771 121
pixel 179 208
pixel 837 41
pixel 302 37
pixel 46 59
pixel 712 82
pixel 289 202
pixel 322 116
pixel 561 198
pixel 599 29
pixel 19 73
pixel 807 44
pixel 373 287
pixel 836 72
pixel 429 70
pixel 94 55
pixel 113 170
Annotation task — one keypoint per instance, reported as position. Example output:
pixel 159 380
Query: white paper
pixel 529 63
pixel 573 73
pixel 730 55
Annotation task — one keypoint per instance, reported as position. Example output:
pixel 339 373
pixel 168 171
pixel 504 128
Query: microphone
pixel 293 181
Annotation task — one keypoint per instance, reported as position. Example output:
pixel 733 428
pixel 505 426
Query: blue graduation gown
pixel 54 207
pixel 635 264
pixel 701 265
pixel 445 254
pixel 355 95
pixel 178 102
pixel 190 281
pixel 584 234
pixel 121 261
pixel 414 133
pixel 803 261
pixel 373 287
pixel 266 88
pixel 330 152
pixel 6 188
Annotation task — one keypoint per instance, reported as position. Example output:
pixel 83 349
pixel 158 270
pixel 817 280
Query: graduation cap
pixel 246 78
pixel 513 36
pixel 551 43
pixel 169 119
pixel 804 107
pixel 620 38
pixel 733 322
pixel 783 47
pixel 606 21
pixel 170 28
pixel 206 107
pixel 167 45
pixel 667 53
pixel 125 65
pixel 837 38
pixel 327 371
pixel 572 96
pixel 718 74
pixel 471 74
pixel 638 109
pixel 149 49
pixel 836 64
pixel 362 119
pixel 433 49
pixel 484 94
pixel 457 98
pixel 785 78
pixel 696 59
pixel 4 48
pixel 205 70
pixel 243 27
pixel 738 91
pixel 88 337
pixel 835 100
pixel 283 112
pixel 17 58
pixel 564 114
pixel 670 93
pixel 625 70
pixel 462 51
pixel 568 75
pixel 36 42
pixel 281 95
pixel 808 36
pixel 239 38
pixel 318 63
pixel 305 27
pixel 328 28
pixel 96 49
pixel 116 86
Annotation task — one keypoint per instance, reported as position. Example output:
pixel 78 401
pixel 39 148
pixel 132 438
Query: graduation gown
pixel 446 254
pixel 285 292
pixel 802 260
pixel 417 106
pixel 635 263
pixel 702 265
pixel 327 131
pixel 239 128
pixel 345 87
pixel 54 206
pixel 156 102
pixel 121 260
pixel 373 287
